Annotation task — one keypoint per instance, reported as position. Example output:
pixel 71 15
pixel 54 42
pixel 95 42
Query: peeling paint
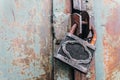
pixel 109 27
pixel 25 47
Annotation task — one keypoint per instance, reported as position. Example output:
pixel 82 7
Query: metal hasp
pixel 74 50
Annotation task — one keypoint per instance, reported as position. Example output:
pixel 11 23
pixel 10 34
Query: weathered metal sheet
pixel 111 40
pixel 25 40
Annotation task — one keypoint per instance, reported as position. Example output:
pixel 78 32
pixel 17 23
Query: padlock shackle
pixel 73 29
pixel 94 38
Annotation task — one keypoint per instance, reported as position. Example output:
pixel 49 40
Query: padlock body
pixel 75 52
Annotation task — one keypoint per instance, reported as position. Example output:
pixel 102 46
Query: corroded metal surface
pixel 25 40
pixel 108 43
pixel 111 39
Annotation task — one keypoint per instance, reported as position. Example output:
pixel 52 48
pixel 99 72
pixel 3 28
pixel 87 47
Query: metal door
pixel 27 43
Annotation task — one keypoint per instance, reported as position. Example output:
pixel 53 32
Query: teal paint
pixel 99 56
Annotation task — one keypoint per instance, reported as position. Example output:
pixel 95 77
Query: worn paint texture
pixel 108 42
pixel 111 40
pixel 25 40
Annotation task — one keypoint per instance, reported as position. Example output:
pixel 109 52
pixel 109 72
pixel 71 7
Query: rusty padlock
pixel 75 51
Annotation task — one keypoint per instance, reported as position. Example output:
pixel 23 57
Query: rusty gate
pixel 29 30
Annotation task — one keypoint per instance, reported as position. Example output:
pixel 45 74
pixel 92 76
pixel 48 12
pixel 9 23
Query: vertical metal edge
pixel 99 58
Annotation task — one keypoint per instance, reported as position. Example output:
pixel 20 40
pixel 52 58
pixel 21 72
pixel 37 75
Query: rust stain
pixel 92 70
pixel 67 6
pixel 23 62
pixel 17 3
pixel 111 42
pixel 41 77
pixel 110 2
pixel 22 72
pixel 111 58
pixel 115 75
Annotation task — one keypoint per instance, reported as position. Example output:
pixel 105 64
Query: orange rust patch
pixel 111 42
pixel 111 54
pixel 115 74
pixel 67 6
pixel 17 3
pixel 107 1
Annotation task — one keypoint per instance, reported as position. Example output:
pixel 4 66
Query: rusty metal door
pixel 27 44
